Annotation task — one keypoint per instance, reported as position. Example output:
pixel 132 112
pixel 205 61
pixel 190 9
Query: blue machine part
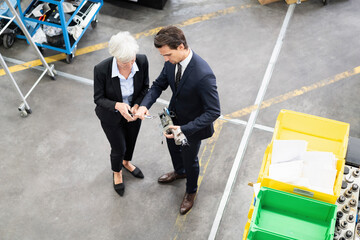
pixel 5 11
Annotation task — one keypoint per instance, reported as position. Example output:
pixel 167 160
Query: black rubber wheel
pixel 69 58
pixel 8 40
pixel 94 22
pixel 29 111
pixel 41 49
pixel 325 2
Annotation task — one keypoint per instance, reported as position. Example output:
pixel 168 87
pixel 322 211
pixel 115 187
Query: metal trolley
pixel 24 107
pixel 69 25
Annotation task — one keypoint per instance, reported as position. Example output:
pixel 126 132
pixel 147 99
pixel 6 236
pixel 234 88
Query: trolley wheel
pixel 23 113
pixel 41 49
pixel 69 57
pixel 94 22
pixel 8 40
pixel 325 2
pixel 54 72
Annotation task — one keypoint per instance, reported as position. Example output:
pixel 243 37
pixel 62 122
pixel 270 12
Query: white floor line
pixel 249 127
pixel 244 123
pixel 159 100
pixel 233 121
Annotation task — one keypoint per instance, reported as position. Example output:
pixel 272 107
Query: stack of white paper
pixel 291 163
pixel 288 150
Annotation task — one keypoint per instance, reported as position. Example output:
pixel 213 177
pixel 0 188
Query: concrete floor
pixel 55 175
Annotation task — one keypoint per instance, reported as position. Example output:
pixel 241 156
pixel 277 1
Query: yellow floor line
pixel 104 45
pixel 295 93
pixel 181 219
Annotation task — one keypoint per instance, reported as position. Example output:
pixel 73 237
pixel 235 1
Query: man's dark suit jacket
pixel 195 102
pixel 107 90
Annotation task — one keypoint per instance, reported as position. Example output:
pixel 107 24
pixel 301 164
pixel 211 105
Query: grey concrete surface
pixel 55 175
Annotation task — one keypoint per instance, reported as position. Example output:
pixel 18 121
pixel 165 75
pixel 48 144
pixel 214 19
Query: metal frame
pixel 24 107
pixel 69 48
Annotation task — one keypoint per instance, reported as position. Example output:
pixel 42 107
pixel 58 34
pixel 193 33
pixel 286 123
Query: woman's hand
pixel 134 109
pixel 124 109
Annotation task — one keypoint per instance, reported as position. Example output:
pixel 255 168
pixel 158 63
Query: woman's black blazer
pixel 107 90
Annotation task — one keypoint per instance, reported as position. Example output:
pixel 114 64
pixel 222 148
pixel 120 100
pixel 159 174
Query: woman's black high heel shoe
pixel 119 188
pixel 136 172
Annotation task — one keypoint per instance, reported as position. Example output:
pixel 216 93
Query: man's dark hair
pixel 170 36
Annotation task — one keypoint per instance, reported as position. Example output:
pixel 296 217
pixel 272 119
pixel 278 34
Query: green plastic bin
pixel 281 216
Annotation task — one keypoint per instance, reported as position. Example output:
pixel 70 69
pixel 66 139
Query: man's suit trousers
pixel 185 160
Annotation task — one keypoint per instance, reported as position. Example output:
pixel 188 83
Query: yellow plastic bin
pixel 322 135
pixel 300 190
pixel 247 225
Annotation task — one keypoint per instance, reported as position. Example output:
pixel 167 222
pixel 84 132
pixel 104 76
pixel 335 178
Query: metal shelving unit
pixel 85 14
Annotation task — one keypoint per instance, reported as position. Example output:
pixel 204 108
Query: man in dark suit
pixel 195 103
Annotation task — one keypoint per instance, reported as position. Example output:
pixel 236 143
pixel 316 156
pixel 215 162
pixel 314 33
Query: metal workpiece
pixel 349 178
pixel 347 205
pixel 348 234
pixel 341 199
pixel 352 203
pixel 350 218
pixel 348 193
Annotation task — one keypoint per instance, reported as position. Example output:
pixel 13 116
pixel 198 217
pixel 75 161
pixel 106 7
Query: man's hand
pixel 170 136
pixel 141 112
pixel 134 109
pixel 124 109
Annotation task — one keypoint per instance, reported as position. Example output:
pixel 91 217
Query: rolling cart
pixel 10 29
pixel 24 107
pixel 60 23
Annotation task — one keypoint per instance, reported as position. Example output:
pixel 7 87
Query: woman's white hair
pixel 123 47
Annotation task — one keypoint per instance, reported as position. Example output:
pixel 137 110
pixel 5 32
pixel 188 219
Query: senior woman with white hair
pixel 120 84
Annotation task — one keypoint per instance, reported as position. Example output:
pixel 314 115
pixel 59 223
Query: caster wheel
pixel 23 114
pixel 8 40
pixel 94 22
pixel 69 58
pixel 325 2
pixel 53 72
pixel 41 49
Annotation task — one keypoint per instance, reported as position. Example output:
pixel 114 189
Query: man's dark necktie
pixel 178 75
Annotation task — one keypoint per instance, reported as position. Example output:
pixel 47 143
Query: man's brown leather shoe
pixel 170 177
pixel 187 202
